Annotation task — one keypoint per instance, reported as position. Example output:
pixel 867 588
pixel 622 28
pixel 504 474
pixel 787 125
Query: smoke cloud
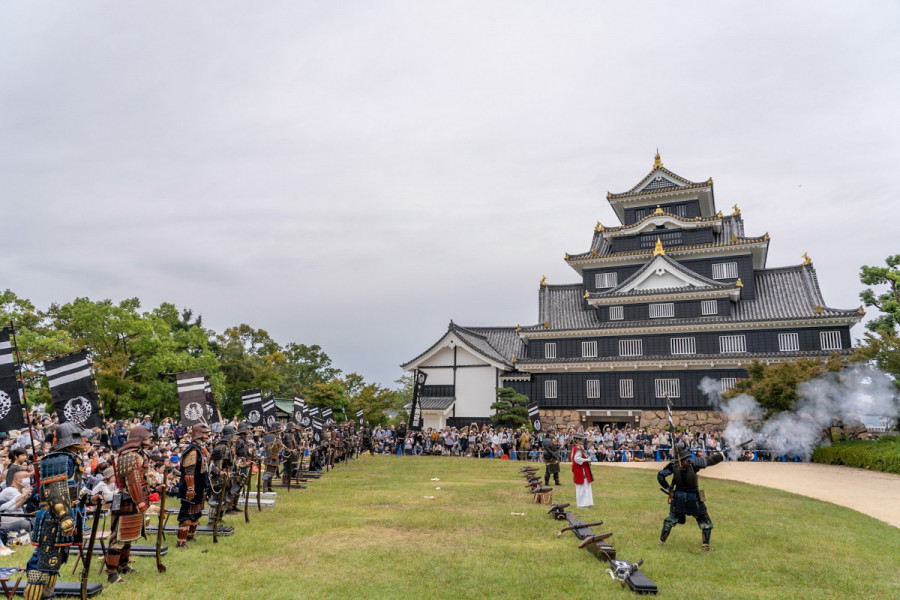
pixel 845 396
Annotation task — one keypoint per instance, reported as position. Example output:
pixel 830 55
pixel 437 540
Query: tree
pixel 511 408
pixel 883 350
pixel 328 395
pixel 775 386
pixel 887 302
pixel 250 358
pixel 304 365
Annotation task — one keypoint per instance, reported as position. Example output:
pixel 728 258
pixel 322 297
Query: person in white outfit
pixel 581 471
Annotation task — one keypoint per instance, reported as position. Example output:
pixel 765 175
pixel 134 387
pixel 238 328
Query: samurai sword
pixel 159 530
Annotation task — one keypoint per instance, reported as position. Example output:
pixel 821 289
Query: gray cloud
pixel 355 175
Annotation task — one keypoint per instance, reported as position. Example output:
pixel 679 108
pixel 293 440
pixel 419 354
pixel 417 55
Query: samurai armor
pixel 129 527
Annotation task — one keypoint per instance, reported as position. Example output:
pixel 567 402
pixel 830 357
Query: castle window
pixel 626 388
pixel 589 349
pixel 727 383
pixel 550 350
pixel 593 388
pixel 684 345
pixel 727 270
pixel 709 307
pixel 830 340
pixel 605 280
pixel 667 387
pixel 550 388
pixel 631 347
pixel 732 343
pixel 788 342
pixel 658 311
pixel 616 313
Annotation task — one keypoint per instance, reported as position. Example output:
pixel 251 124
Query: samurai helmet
pixel 275 427
pixel 199 430
pixel 290 427
pixel 228 433
pixel 68 435
pixel 683 449
pixel 244 427
pixel 138 435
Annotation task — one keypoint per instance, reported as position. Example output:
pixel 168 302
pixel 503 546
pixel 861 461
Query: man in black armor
pixel 551 458
pixel 685 496
pixel 365 439
pixel 221 461
pixel 242 464
pixel 272 444
pixel 290 453
pixel 193 485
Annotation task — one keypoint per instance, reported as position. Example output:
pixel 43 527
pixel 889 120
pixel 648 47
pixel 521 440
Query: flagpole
pixel 37 473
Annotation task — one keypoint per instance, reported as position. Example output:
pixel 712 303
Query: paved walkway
pixel 869 492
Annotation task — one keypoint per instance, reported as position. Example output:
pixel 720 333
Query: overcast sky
pixel 356 174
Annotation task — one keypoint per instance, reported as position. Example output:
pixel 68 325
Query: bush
pixel 879 455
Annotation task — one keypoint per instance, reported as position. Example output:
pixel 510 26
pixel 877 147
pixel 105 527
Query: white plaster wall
pixel 475 391
pixel 433 419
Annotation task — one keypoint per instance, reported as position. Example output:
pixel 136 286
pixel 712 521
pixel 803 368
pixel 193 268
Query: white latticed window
pixel 788 342
pixel 626 388
pixel 549 349
pixel 658 311
pixel 630 348
pixel 830 340
pixel 550 388
pixel 616 313
pixel 589 349
pixel 709 307
pixel 732 343
pixel 605 280
pixel 727 383
pixel 727 270
pixel 684 345
pixel 593 388
pixel 667 387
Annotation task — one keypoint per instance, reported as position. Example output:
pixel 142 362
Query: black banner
pixel 305 418
pixel 192 397
pixel 252 402
pixel 359 415
pixel 72 389
pixel 212 405
pixel 415 410
pixel 327 417
pixel 11 415
pixel 534 416
pixel 297 415
pixel 268 411
pixel 317 430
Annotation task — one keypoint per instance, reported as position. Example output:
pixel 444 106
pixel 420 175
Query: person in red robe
pixel 581 471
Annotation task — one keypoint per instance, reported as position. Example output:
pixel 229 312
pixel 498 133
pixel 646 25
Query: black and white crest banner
pixel 11 416
pixel 534 416
pixel 6 351
pixel 268 410
pixel 360 416
pixel 327 416
pixel 252 402
pixel 212 414
pixel 314 412
pixel 297 415
pixel 317 430
pixel 72 389
pixel 192 397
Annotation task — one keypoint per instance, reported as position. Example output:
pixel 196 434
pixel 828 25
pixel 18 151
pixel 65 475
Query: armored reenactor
pixel 685 496
pixel 58 522
pixel 242 464
pixel 220 465
pixel 130 503
pixel 365 439
pixel 192 486
pixel 290 452
pixel 272 444
pixel 551 458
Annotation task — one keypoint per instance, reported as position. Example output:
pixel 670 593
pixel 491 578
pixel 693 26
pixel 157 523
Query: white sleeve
pixel 580 457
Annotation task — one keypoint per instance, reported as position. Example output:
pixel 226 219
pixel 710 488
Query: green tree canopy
pixel 775 386
pixel 511 408
pixel 887 302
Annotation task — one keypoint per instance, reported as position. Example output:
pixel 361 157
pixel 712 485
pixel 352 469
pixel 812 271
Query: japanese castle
pixel 675 294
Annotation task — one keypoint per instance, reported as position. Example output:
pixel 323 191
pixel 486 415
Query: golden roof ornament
pixel 739 283
pixel 719 216
pixel 737 211
pixel 734 238
pixel 659 250
pixel 766 237
pixel 543 281
pixel 709 181
pixel 599 226
pixel 546 324
pixel 862 310
pixel 819 309
pixel 514 359
pixel 806 259
pixel 658 210
pixel 518 328
pixel 586 293
pixel 657 161
pixel 593 253
pixel 567 256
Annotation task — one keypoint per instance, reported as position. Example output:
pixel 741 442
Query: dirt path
pixel 869 492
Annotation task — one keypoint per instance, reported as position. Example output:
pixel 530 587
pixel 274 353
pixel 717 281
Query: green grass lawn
pixel 365 531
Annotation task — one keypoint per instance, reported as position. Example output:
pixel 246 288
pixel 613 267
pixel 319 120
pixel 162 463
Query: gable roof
pixel 495 344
